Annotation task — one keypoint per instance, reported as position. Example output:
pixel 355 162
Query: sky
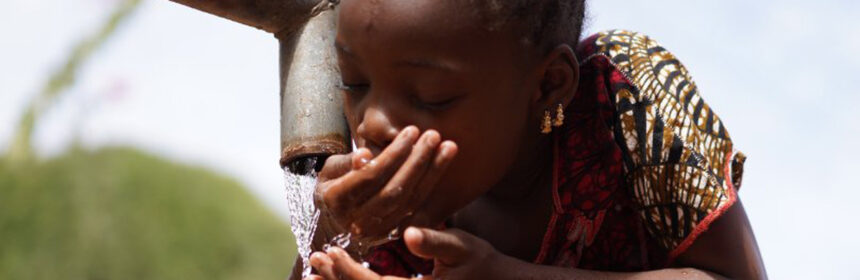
pixel 203 90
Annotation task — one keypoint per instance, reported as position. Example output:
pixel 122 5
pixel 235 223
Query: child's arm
pixel 727 250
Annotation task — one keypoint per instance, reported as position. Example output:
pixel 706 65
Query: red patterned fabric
pixel 603 215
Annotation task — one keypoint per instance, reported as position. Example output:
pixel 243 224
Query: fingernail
pixel 432 138
pixel 451 147
pixel 445 149
pixel 316 258
pixel 362 162
pixel 334 252
pixel 409 132
pixel 412 231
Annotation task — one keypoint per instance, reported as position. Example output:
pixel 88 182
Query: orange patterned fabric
pixel 680 153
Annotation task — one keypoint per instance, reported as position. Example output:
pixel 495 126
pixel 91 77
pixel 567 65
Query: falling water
pixel 300 179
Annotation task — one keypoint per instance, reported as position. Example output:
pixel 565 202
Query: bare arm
pixel 727 250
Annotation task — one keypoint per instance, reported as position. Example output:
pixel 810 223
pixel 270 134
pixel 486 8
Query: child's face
pixel 433 64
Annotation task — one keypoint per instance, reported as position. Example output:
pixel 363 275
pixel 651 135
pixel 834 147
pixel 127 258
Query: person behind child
pixel 503 147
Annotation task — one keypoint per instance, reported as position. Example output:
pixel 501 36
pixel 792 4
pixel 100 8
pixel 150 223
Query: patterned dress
pixel 642 165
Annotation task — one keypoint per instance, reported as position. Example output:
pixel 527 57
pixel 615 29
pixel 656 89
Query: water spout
pixel 312 120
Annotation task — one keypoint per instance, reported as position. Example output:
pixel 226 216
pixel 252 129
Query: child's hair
pixel 543 23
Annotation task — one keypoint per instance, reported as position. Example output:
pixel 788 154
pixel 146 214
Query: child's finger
pixel 449 247
pixel 335 166
pixel 385 210
pixel 389 160
pixel 323 264
pixel 424 215
pixel 357 186
pixel 338 165
pixel 427 184
pixel 347 268
pixel 314 277
pixel 361 157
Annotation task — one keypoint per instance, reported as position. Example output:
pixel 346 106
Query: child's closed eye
pixel 353 88
pixel 434 104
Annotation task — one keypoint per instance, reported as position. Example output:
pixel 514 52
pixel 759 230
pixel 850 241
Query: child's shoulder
pixel 679 164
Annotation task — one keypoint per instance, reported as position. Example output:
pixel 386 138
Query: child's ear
pixel 559 78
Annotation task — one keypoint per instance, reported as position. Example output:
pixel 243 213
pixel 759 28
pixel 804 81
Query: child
pixel 505 154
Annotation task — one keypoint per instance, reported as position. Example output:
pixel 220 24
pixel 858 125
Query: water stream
pixel 300 181
pixel 300 178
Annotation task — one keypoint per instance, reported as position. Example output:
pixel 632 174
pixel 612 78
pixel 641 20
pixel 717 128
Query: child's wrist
pixel 501 266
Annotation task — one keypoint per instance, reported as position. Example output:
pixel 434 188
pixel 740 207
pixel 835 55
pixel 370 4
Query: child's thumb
pixel 338 165
pixel 448 246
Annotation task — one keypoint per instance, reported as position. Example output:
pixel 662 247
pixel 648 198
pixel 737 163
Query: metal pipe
pixel 312 122
pixel 272 16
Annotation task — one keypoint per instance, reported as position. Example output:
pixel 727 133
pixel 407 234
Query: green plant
pixel 120 213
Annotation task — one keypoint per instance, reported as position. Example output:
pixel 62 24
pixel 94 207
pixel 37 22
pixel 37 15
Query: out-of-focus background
pixel 139 139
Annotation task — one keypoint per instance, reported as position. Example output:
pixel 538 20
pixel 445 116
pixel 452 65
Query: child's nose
pixel 376 129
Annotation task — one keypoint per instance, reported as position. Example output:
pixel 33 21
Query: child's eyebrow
pixel 426 63
pixel 412 62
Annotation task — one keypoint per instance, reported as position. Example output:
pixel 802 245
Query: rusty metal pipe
pixel 312 122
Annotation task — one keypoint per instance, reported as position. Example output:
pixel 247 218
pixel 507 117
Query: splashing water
pixel 300 180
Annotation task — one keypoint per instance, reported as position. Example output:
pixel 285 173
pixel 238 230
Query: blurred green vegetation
pixel 120 213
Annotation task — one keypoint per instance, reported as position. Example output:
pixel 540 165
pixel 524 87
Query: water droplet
pixel 394 234
pixel 341 240
pixel 365 264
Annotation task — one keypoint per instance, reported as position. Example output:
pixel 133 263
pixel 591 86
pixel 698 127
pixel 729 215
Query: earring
pixel 559 116
pixel 546 126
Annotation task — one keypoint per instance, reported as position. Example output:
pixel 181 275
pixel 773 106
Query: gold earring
pixel 559 116
pixel 546 127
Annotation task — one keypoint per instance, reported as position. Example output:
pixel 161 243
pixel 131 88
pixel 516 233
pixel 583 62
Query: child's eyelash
pixel 435 106
pixel 352 88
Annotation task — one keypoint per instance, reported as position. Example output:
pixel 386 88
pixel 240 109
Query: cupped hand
pixel 369 196
pixel 456 255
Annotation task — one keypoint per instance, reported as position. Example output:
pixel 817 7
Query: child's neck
pixel 514 214
pixel 532 172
